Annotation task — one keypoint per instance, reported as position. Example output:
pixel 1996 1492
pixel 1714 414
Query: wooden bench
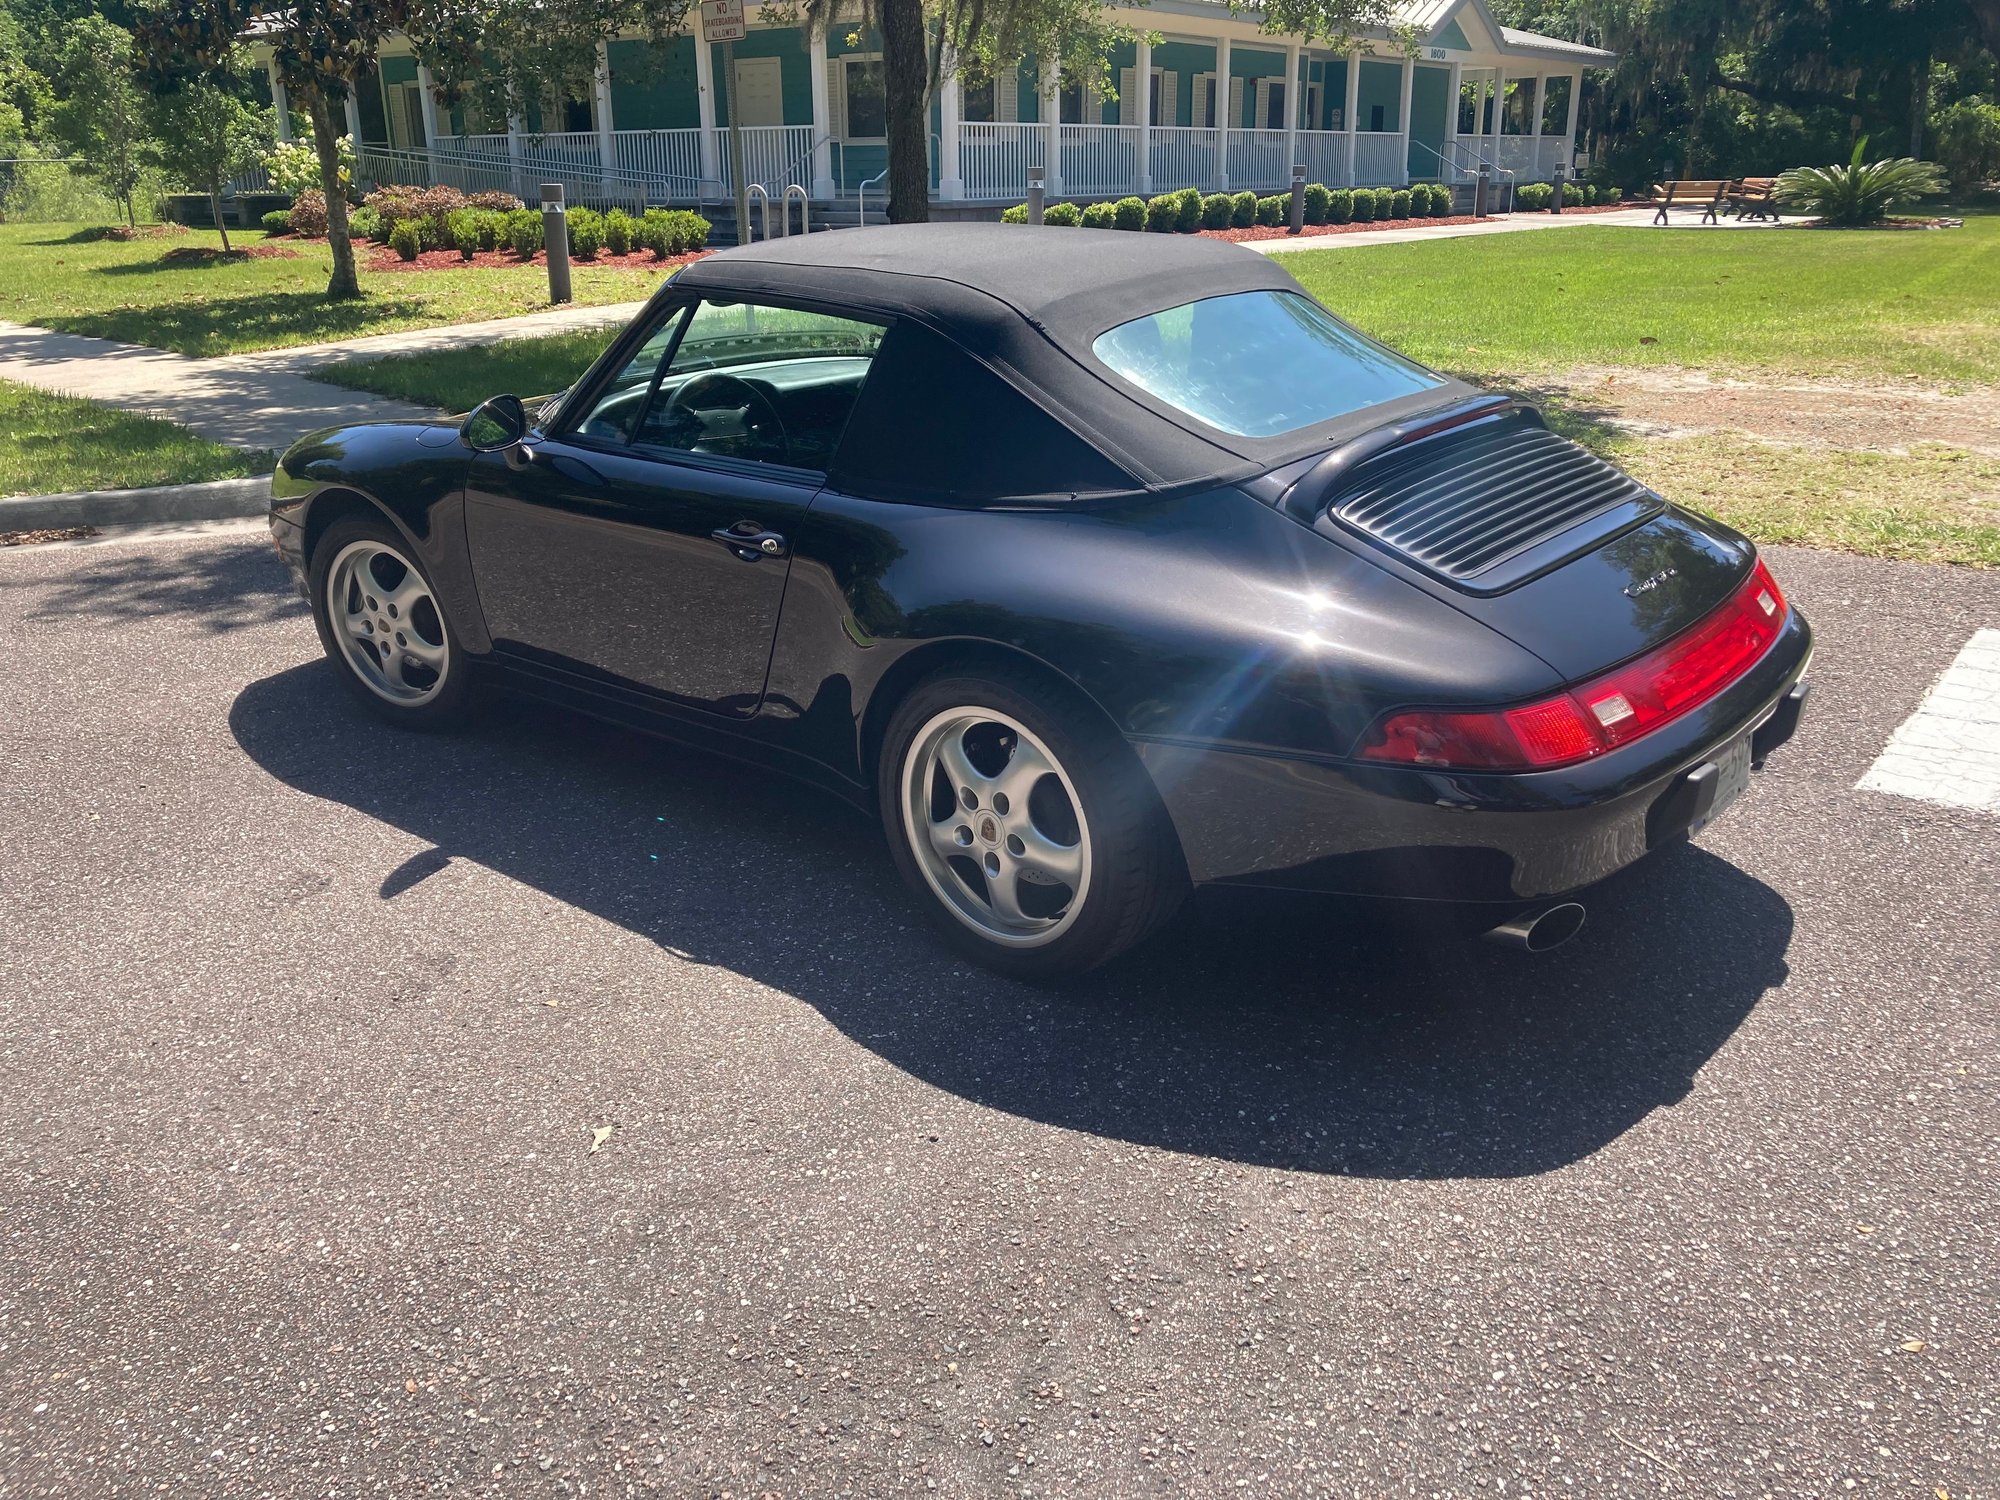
pixel 1754 198
pixel 1706 196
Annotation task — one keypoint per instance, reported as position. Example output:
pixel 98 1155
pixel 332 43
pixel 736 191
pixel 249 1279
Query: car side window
pixel 745 381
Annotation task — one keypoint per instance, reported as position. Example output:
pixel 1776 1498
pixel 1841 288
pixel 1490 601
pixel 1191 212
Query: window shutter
pixel 1169 102
pixel 1201 87
pixel 1128 96
pixel 1235 104
pixel 836 97
pixel 1007 96
pixel 1262 99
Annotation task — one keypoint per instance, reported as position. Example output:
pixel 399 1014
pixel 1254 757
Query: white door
pixel 759 90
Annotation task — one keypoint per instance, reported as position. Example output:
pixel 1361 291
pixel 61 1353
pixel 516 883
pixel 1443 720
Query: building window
pixel 1376 117
pixel 867 99
pixel 1274 106
pixel 976 102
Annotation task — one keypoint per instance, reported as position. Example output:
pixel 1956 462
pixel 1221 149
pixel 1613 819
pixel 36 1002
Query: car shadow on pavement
pixel 1273 1030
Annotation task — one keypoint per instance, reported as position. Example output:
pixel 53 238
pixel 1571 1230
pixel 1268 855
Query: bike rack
pixel 785 210
pixel 763 198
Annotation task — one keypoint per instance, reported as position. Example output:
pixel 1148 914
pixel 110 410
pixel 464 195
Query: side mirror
pixel 494 425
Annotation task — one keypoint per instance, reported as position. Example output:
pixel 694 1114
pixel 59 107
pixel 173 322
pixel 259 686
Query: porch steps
pixel 842 213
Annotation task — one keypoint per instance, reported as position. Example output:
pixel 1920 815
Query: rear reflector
pixel 1599 715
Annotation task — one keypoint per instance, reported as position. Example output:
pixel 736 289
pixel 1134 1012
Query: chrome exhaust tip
pixel 1540 930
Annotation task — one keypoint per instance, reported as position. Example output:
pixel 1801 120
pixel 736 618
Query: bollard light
pixel 1035 195
pixel 1298 208
pixel 555 240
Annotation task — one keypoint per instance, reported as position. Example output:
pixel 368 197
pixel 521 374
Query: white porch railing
pixel 1324 153
pixel 1531 158
pixel 1099 160
pixel 669 160
pixel 1257 161
pixel 994 159
pixel 1379 158
pixel 774 156
pixel 1183 157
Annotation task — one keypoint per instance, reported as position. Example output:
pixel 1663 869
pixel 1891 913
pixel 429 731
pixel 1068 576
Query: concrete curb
pixel 218 499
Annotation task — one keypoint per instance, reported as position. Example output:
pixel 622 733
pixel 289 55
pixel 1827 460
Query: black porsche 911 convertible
pixel 1099 565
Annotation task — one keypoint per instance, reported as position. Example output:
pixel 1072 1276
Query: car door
pixel 648 537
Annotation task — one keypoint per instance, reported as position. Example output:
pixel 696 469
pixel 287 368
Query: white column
pixel 607 145
pixel 822 170
pixel 1051 109
pixel 1144 70
pixel 1218 95
pixel 427 102
pixel 1569 127
pixel 951 109
pixel 1499 112
pixel 1294 91
pixel 281 102
pixel 1403 114
pixel 516 128
pixel 354 118
pixel 1541 98
pixel 1352 108
pixel 1457 87
pixel 704 83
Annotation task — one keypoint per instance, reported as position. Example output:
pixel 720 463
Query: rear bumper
pixel 1342 826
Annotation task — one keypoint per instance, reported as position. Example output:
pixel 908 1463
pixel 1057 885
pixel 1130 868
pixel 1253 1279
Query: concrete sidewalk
pixel 261 400
pixel 1624 218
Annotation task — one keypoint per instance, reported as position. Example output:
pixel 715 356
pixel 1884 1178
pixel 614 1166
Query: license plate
pixel 1732 778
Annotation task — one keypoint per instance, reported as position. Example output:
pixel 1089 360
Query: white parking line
pixel 1948 751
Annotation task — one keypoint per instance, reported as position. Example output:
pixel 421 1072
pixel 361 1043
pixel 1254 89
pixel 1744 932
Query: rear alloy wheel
pixel 1034 834
pixel 381 623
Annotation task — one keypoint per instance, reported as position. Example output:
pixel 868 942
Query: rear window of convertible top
pixel 1257 364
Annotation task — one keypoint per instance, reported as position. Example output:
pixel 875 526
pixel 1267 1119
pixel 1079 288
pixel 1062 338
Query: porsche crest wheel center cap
pixel 989 830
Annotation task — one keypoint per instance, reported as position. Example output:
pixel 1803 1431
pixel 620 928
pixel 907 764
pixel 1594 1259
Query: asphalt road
pixel 307 1029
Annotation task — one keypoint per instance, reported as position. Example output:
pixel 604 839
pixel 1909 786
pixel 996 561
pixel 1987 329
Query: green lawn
pixel 127 290
pixel 59 443
pixel 1865 303
pixel 459 379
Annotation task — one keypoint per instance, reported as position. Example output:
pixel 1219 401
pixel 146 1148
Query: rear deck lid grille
pixel 1488 505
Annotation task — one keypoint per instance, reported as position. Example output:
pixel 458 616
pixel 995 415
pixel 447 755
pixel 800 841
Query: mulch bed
pixel 382 258
pixel 53 534
pixel 191 255
pixel 1314 231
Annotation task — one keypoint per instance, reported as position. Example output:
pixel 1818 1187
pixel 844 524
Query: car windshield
pixel 1257 364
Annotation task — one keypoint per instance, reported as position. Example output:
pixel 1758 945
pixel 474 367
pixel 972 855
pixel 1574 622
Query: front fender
pixel 413 475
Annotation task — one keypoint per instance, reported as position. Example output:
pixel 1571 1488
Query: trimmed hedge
pixel 1533 197
pixel 406 239
pixel 1062 215
pixel 1243 210
pixel 1318 202
pixel 462 224
pixel 524 232
pixel 586 233
pixel 1272 209
pixel 1399 204
pixel 618 229
pixel 1190 214
pixel 277 221
pixel 1100 216
pixel 1340 206
pixel 1129 213
pixel 1216 211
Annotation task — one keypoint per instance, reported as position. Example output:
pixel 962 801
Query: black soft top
pixel 1027 304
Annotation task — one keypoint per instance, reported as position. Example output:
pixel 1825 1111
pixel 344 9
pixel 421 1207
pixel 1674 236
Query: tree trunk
pixel 1920 107
pixel 215 208
pixel 326 141
pixel 906 82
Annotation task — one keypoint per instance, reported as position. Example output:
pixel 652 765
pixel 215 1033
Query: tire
pixel 383 628
pixel 1024 823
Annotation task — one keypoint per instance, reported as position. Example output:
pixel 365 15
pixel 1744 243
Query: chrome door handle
pixel 749 541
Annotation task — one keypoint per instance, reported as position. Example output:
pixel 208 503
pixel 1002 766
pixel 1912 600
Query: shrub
pixel 1399 204
pixel 694 230
pixel 407 239
pixel 1860 192
pixel 1385 200
pixel 1364 206
pixel 1272 209
pixel 1533 197
pixel 307 215
pixel 1440 200
pixel 1129 214
pixel 586 233
pixel 1319 202
pixel 277 221
pixel 1100 216
pixel 365 224
pixel 496 202
pixel 618 226
pixel 1242 210
pixel 1216 210
pixel 524 232
pixel 1018 214
pixel 1968 142
pixel 293 166
pixel 462 230
pixel 490 224
pixel 1340 206
pixel 1190 215
pixel 1062 215
pixel 1579 194
pixel 1163 214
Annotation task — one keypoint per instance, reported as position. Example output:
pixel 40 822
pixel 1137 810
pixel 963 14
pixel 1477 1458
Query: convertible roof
pixel 1028 304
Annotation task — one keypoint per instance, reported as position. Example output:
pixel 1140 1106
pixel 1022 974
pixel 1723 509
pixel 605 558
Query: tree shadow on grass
pixel 1284 1032
pixel 222 324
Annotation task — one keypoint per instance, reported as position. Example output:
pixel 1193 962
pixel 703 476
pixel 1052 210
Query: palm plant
pixel 1860 192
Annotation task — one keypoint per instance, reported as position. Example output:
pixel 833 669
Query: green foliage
pixel 102 117
pixel 66 443
pixel 677 231
pixel 1100 216
pixel 205 136
pixel 307 215
pixel 1364 206
pixel 293 166
pixel 1018 214
pixel 1272 209
pixel 694 231
pixel 407 239
pixel 1440 200
pixel 1130 214
pixel 524 232
pixel 365 224
pixel 277 221
pixel 1340 206
pixel 586 233
pixel 1242 210
pixel 490 224
pixel 1216 211
pixel 1190 214
pixel 1968 142
pixel 462 228
pixel 1579 194
pixel 1385 201
pixel 1319 202
pixel 1063 215
pixel 1860 192
pixel 1163 214
pixel 1533 197
pixel 1399 204
pixel 618 227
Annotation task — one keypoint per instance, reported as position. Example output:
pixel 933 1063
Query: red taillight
pixel 1603 713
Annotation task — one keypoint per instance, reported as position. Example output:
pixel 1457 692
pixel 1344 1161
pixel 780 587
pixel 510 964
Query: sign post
pixel 722 21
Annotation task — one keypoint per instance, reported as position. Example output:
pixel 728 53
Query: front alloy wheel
pixel 381 623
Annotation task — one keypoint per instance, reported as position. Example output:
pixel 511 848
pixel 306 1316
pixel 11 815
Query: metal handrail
pixel 1494 167
pixel 861 212
pixel 510 169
